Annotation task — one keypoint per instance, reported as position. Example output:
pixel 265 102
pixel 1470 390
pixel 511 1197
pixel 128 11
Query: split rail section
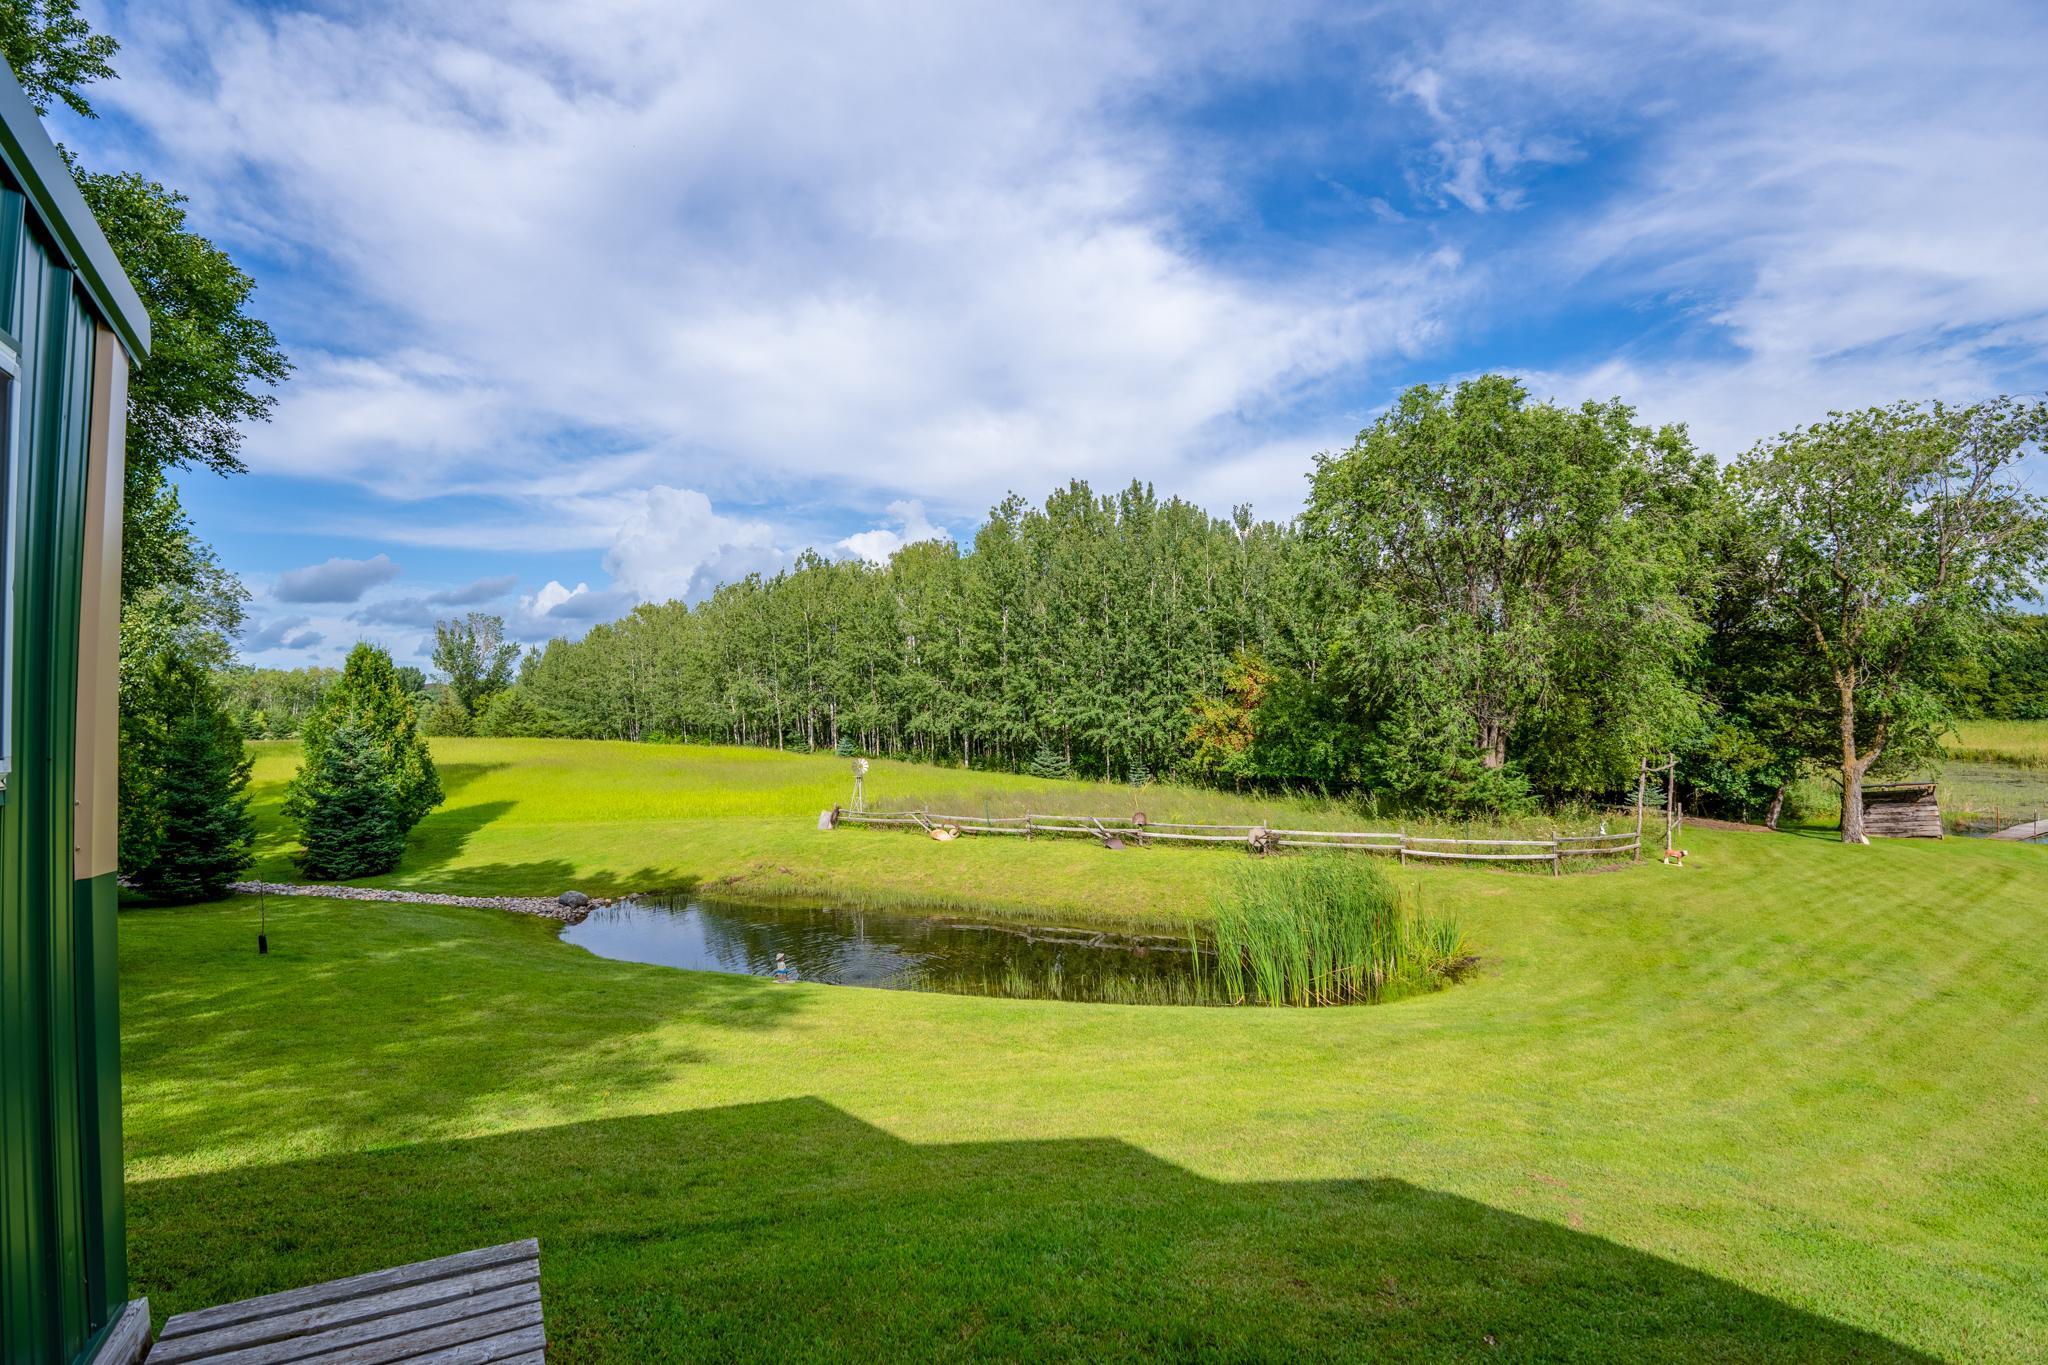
pixel 1117 832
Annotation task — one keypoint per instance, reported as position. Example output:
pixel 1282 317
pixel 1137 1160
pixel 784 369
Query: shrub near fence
pixel 1124 831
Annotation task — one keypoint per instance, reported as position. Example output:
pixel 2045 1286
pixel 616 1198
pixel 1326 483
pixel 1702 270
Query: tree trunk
pixel 1493 744
pixel 1852 770
pixel 1777 808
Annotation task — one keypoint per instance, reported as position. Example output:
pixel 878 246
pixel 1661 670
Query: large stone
pixel 572 900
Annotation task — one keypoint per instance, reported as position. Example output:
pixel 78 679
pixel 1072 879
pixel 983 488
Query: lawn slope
pixel 1788 1103
pixel 537 816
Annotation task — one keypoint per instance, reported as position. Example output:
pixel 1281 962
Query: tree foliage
pixel 2008 679
pixel 1516 585
pixel 207 378
pixel 476 657
pixel 54 53
pixel 349 807
pixel 274 703
pixel 369 700
pixel 1885 542
pixel 511 714
pixel 211 363
pixel 198 789
pixel 1085 626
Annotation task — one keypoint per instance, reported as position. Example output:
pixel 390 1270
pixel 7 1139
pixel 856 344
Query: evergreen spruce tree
pixel 201 791
pixel 847 748
pixel 370 696
pixel 1050 762
pixel 351 826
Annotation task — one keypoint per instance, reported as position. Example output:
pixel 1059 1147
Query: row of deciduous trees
pixel 1487 600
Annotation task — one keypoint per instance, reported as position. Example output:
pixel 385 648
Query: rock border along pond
pixel 524 905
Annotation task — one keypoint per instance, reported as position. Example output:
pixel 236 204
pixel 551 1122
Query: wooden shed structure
pixel 1901 810
pixel 70 326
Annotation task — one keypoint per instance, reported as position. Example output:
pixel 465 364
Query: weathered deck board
pixel 2033 829
pixel 473 1307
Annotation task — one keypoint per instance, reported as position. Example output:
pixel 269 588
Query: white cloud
pixel 559 610
pixel 911 526
pixel 335 580
pixel 671 544
pixel 1838 208
pixel 737 252
pixel 283 632
pixel 582 255
pixel 423 610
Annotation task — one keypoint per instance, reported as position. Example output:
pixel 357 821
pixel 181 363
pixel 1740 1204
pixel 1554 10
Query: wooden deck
pixel 2033 829
pixel 475 1307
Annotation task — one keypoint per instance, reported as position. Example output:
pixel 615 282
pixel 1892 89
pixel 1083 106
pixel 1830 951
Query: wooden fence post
pixel 1642 790
pixel 1556 857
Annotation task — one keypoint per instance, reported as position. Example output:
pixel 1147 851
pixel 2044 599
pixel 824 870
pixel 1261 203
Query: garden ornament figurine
pixel 783 971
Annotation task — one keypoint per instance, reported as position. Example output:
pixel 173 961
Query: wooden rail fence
pixel 1113 831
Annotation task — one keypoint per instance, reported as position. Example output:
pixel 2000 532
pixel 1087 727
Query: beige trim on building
pixel 95 850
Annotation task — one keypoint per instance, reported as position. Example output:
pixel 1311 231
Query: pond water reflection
pixel 897 950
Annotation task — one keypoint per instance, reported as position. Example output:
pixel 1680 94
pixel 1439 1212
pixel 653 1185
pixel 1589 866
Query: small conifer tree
pixel 846 747
pixel 370 696
pixel 205 833
pixel 351 826
pixel 1050 762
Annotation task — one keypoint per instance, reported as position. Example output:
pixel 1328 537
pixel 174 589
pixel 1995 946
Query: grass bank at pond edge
pixel 536 817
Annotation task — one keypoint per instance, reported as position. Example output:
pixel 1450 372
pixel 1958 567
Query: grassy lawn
pixel 2022 742
pixel 1788 1103
pixel 533 817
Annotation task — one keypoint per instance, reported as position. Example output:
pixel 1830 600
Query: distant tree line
pixel 1487 602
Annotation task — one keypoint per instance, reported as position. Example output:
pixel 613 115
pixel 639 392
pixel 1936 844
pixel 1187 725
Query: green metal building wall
pixel 60 1114
pixel 63 1256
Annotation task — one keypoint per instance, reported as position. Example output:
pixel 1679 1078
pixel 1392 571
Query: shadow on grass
pixel 439 839
pixel 790 1229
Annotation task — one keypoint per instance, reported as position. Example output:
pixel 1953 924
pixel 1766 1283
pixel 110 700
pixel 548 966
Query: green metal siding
pixel 65 1275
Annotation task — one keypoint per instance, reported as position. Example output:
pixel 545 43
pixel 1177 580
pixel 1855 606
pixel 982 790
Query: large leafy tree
pixel 1513 570
pixel 1886 541
pixel 473 651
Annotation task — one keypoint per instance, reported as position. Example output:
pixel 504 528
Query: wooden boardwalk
pixel 475 1307
pixel 2033 829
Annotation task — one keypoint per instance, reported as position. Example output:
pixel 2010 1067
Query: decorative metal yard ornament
pixel 263 923
pixel 860 778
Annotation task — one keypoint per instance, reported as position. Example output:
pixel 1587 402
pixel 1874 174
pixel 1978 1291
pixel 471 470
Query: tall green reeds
pixel 1327 929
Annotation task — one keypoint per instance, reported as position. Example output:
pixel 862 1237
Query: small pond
pixel 896 950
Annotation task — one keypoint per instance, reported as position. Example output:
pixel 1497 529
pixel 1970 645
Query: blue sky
pixel 600 303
